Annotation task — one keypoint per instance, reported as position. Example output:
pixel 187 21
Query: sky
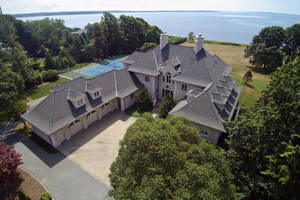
pixel 29 6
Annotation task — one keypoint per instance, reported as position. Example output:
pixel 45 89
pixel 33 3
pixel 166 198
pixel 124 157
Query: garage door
pixel 74 128
pixel 91 118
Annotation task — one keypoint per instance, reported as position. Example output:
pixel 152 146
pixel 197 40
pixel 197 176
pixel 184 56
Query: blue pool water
pixel 102 67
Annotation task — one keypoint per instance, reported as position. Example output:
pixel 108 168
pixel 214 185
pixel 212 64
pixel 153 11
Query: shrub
pixel 50 76
pixel 9 161
pixel 166 106
pixel 46 196
pixel 143 100
pixel 22 195
pixel 176 39
pixel 147 46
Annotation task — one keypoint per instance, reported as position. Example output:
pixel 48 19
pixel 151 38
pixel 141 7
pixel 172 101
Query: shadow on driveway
pixel 49 159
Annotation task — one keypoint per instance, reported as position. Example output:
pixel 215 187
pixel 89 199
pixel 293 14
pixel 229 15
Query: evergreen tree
pixel 143 100
pixel 166 106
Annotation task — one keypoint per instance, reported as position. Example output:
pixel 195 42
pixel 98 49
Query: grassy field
pixel 43 90
pixel 234 56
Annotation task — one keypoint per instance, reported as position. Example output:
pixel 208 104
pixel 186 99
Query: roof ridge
pixel 155 60
pixel 115 81
pixel 52 112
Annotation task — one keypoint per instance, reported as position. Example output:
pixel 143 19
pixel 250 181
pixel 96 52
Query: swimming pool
pixel 97 68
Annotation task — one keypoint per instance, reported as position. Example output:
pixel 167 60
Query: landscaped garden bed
pixel 30 186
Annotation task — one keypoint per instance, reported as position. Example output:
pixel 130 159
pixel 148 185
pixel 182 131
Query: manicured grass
pixel 224 43
pixel 234 56
pixel 43 90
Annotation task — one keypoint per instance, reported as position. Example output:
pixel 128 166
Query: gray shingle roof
pixel 55 111
pixel 197 69
pixel 201 110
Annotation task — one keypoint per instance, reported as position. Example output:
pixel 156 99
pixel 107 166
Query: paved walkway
pixel 63 179
pixel 95 148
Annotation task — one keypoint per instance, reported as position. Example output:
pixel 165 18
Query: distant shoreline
pixel 47 14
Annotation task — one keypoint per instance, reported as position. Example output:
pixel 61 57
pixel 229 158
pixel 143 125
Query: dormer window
pixel 96 94
pixel 79 102
pixel 93 91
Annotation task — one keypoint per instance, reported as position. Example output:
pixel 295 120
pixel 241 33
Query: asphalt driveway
pixel 63 178
pixel 95 148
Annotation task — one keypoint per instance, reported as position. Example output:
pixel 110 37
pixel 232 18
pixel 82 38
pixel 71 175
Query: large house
pixel 198 80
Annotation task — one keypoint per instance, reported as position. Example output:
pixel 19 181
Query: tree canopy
pixel 264 149
pixel 273 45
pixel 167 159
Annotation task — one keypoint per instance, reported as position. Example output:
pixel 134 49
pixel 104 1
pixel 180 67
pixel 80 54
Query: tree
pixel 49 61
pixel 247 77
pixel 143 100
pixel 265 48
pixel 190 37
pixel 9 161
pixel 16 109
pixel 292 43
pixel 264 142
pixel 166 106
pixel 147 46
pixel 112 32
pixel 11 85
pixel 167 159
pixel 99 41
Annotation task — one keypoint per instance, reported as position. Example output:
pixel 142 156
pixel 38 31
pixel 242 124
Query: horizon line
pixel 131 11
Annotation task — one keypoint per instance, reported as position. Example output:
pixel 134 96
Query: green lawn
pixel 234 56
pixel 43 90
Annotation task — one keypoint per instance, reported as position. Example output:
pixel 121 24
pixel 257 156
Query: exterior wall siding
pixel 151 85
pixel 41 133
pixel 128 101
pixel 179 93
pixel 212 136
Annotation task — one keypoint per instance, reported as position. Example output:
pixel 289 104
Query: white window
pixel 146 78
pixel 168 78
pixel 183 87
